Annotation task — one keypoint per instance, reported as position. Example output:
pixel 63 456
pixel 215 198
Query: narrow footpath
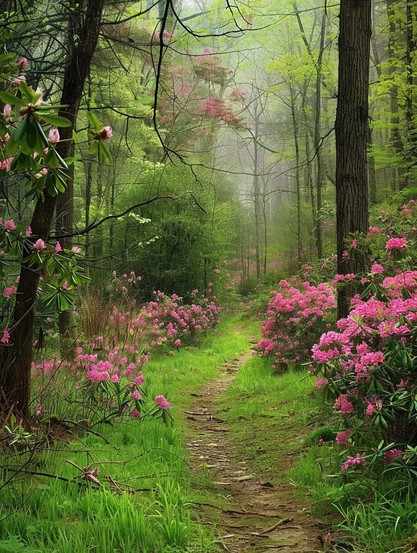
pixel 260 517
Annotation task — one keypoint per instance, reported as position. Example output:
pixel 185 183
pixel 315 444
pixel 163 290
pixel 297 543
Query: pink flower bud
pixel 58 247
pixel 17 80
pixel 54 136
pixel 7 110
pixel 22 61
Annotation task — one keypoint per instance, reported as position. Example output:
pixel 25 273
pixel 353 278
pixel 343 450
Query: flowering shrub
pixel 100 384
pixel 105 379
pixel 208 67
pixel 172 323
pixel 28 151
pixel 367 366
pixel 125 287
pixel 297 315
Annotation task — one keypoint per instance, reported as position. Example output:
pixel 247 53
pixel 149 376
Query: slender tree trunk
pixel 320 171
pixel 409 107
pixel 257 197
pixel 15 360
pixel 371 171
pixel 352 127
pixel 297 174
pixel 88 180
pixel 317 141
pixel 396 139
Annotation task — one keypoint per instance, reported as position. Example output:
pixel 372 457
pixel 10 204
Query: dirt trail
pixel 261 518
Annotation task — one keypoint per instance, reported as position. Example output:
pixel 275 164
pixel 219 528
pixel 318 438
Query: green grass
pixel 367 516
pixel 144 501
pixel 278 406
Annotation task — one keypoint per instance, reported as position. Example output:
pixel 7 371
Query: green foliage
pixel 144 497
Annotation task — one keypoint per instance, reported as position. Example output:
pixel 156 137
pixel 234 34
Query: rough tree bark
pixel 352 128
pixel 15 360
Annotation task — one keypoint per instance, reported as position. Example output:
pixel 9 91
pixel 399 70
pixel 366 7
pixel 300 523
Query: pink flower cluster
pixel 296 316
pixel 170 322
pixel 110 379
pixel 396 244
pixel 368 363
pixel 393 454
pixel 162 403
pixel 352 462
pixel 217 108
pixel 208 66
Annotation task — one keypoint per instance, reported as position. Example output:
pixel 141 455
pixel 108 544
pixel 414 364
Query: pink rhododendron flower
pixel 17 80
pixel 9 291
pixel 320 382
pixel 396 244
pixel 9 225
pixel 392 454
pixel 352 462
pixel 342 438
pixel 28 231
pixel 91 475
pixel 162 402
pixel 106 133
pixel 58 247
pixel 343 404
pixel 136 395
pixel 39 245
pixel 377 269
pixel 6 336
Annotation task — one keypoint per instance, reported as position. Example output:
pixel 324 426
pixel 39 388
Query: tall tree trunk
pixel 320 170
pixel 409 107
pixel 396 139
pixel 15 360
pixel 352 127
pixel 317 141
pixel 257 196
pixel 297 173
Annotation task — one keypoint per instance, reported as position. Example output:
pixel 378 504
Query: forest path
pixel 261 518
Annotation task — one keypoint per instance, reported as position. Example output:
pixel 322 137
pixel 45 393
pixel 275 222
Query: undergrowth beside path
pixel 124 488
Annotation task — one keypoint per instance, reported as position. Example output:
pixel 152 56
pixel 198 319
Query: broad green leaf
pixel 20 130
pixel 56 120
pixel 9 98
pixel 104 155
pixel 94 121
pixel 31 95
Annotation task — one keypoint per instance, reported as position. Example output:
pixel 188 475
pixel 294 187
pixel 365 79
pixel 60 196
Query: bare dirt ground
pixel 261 518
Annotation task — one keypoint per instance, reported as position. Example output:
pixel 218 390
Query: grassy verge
pixel 142 499
pixel 279 407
